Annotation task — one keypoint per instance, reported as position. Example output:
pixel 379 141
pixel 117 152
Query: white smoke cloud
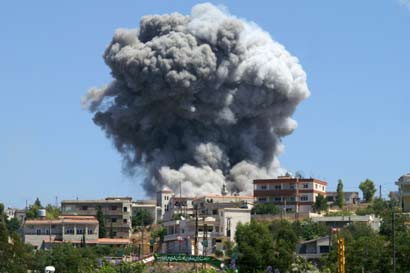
pixel 202 100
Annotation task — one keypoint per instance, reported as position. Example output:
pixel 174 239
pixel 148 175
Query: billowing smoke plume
pixel 202 99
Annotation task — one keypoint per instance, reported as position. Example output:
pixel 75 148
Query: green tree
pixel 142 217
pixel 14 255
pixel 52 212
pixel 101 222
pixel 365 250
pixel 13 225
pixel 159 234
pixel 255 246
pixel 340 198
pixel 368 188
pixel 265 208
pixel 67 259
pixel 308 230
pixel 320 203
pixel 32 211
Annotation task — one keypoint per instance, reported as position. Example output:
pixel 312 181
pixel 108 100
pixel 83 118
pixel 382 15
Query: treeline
pixel 273 244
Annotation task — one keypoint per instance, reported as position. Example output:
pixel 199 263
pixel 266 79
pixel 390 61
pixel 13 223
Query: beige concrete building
pixel 292 194
pixel 117 213
pixel 42 232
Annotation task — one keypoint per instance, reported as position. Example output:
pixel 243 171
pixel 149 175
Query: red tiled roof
pixel 64 219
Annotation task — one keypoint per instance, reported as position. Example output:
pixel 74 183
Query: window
pixel 53 226
pixel 84 208
pixel 38 231
pixel 47 231
pixel 305 186
pixel 278 199
pixel 113 207
pixel 315 186
pixel 324 249
pixel 263 187
pixel 90 231
pixel 278 187
pixel 125 209
pixel 80 231
pixel 292 187
pixel 125 221
pixel 262 199
pixel 304 198
pixel 114 220
pixel 214 212
pixel 69 231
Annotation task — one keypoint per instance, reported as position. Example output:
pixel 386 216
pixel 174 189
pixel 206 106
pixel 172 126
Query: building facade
pixel 350 198
pixel 148 205
pixel 117 213
pixel 313 249
pixel 210 221
pixel 73 229
pixel 404 192
pixel 292 194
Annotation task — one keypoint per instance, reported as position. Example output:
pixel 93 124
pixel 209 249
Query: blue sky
pixel 355 124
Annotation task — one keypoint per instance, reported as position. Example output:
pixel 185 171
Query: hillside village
pixel 174 224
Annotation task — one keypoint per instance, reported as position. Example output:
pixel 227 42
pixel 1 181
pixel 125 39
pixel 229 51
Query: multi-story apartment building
pixel 43 233
pixel 292 194
pixel 404 192
pixel 215 219
pixel 117 212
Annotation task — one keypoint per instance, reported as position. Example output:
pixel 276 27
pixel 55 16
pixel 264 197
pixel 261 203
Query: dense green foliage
pixel 368 188
pixel 265 208
pixel 52 212
pixel 14 255
pixel 142 217
pixel 340 197
pixel 320 204
pixel 255 246
pixel 101 223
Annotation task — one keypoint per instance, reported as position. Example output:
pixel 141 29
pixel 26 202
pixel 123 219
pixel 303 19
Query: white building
pixel 218 217
pixel 341 221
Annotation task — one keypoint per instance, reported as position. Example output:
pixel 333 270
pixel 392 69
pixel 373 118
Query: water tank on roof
pixel 41 213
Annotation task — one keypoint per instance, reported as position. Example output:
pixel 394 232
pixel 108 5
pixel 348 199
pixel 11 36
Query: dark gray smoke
pixel 203 99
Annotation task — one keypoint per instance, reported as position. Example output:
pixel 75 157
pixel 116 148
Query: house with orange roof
pixel 43 233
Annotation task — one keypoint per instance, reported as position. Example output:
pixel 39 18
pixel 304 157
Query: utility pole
pixel 341 255
pixel 228 228
pixel 394 239
pixel 205 240
pixel 196 231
